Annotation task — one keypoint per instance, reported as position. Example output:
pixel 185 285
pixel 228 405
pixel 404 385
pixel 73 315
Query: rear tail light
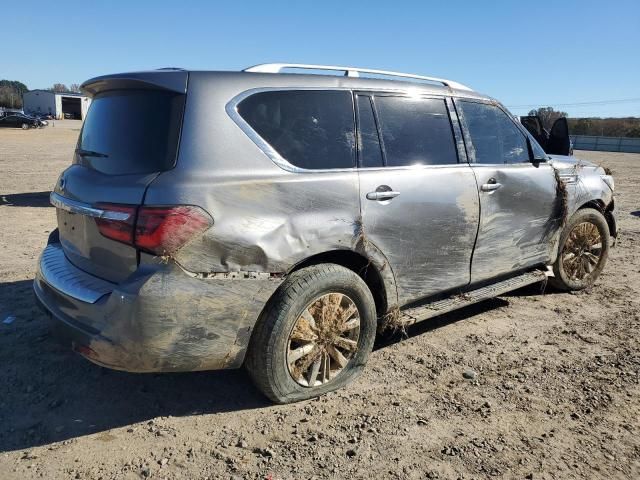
pixel 164 230
pixel 119 230
pixel 159 230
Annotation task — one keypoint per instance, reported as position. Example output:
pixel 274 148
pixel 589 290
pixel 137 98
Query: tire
pixel 579 240
pixel 25 126
pixel 314 291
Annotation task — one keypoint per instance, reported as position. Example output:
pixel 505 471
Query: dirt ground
pixel 555 395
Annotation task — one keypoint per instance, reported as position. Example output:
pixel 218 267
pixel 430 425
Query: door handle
pixel 384 195
pixel 490 186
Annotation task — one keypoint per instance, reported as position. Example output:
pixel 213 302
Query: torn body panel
pixel 584 182
pixel 161 319
pixel 584 186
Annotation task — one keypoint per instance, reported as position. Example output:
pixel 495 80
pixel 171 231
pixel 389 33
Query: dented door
pixel 419 203
pixel 517 196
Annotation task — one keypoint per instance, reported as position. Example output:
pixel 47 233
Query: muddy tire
pixel 314 335
pixel 582 252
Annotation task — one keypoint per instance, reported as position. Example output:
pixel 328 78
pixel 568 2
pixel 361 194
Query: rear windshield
pixel 131 131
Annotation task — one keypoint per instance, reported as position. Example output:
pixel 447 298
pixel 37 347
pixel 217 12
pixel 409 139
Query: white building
pixel 74 105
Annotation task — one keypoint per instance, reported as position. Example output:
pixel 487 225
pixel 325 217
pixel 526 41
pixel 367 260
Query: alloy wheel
pixel 582 251
pixel 323 339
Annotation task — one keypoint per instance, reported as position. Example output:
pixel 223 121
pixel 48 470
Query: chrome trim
pixel 74 206
pixel 382 195
pixel 63 276
pixel 351 72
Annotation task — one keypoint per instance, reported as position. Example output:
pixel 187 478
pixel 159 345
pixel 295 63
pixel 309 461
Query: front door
pixel 517 193
pixel 419 204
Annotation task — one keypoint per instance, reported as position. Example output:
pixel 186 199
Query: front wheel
pixel 583 251
pixel 314 336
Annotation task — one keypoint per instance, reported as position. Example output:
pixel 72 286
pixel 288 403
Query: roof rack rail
pixel 350 72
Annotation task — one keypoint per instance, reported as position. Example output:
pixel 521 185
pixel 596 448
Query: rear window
pixel 310 129
pixel 131 131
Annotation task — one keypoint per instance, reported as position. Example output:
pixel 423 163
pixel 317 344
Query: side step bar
pixel 433 309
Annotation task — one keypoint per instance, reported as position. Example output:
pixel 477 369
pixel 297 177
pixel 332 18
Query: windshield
pixel 131 131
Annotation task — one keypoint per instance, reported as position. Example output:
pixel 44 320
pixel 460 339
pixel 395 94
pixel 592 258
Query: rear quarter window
pixel 310 129
pixel 131 131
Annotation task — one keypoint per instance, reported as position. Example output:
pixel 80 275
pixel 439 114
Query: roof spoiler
pixel 172 80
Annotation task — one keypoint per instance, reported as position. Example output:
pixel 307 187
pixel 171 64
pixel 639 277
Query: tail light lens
pixel 164 230
pixel 159 230
pixel 119 230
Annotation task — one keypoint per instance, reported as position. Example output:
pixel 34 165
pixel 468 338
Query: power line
pixel 598 102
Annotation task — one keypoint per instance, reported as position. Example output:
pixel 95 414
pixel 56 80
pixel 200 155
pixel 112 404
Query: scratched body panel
pixel 583 182
pixel 163 320
pixel 517 221
pixel 428 231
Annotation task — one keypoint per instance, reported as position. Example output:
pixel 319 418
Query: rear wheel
pixel 583 251
pixel 314 336
pixel 25 126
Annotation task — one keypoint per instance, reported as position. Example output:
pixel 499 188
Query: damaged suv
pixel 278 220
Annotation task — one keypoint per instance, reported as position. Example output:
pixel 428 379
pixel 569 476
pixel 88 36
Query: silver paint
pixel 197 309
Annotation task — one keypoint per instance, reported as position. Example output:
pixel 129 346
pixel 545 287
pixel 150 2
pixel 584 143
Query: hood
pixel 562 162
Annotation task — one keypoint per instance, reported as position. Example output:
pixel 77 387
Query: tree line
pixel 11 92
pixel 595 126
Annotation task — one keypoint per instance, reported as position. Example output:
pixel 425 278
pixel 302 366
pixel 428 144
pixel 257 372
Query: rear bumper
pixel 159 320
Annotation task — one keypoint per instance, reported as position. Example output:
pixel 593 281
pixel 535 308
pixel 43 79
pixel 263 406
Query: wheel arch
pixel 605 210
pixel 381 287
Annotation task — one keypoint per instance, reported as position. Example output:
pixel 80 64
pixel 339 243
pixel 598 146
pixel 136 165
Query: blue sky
pixel 523 53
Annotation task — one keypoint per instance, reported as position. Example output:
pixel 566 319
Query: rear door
pixel 419 202
pixel 517 195
pixel 12 121
pixel 130 134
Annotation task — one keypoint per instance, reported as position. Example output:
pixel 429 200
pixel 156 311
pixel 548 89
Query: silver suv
pixel 278 220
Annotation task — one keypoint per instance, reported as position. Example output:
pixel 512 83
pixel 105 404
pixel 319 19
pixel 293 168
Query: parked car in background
pixel 285 218
pixel 21 121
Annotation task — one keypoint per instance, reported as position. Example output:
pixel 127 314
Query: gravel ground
pixel 553 387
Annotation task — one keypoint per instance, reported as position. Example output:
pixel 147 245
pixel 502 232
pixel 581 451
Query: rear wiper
pixel 90 153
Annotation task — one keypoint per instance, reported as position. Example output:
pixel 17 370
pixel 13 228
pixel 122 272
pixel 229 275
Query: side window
pixel 538 151
pixel 495 137
pixel 415 131
pixel 310 129
pixel 368 141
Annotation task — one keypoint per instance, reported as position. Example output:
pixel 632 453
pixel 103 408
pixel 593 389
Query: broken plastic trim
pixel 235 275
